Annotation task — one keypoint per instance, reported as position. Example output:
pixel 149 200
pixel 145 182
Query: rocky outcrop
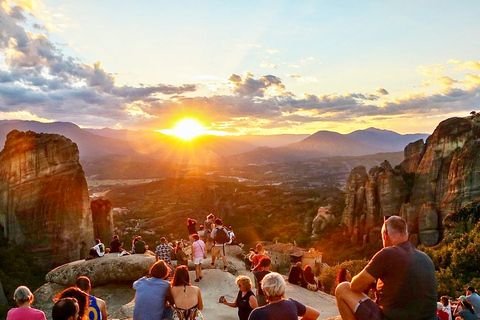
pixel 435 179
pixel 102 217
pixel 44 200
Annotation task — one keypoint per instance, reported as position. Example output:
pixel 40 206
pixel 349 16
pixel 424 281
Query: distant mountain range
pixel 107 143
pixel 330 144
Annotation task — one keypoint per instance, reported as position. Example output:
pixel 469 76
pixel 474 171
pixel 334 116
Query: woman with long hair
pixel 80 296
pixel 187 298
pixel 311 280
pixel 245 301
pixel 24 298
pixel 182 258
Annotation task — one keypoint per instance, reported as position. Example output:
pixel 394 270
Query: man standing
pixel 406 283
pixel 97 308
pixel 220 237
pixel 474 299
pixel 164 251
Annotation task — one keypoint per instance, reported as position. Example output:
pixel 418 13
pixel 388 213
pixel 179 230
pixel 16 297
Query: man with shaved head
pixel 406 282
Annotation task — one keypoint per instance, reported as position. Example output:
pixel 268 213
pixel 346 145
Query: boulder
pixel 108 269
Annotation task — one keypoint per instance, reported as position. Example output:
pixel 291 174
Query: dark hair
pixel 65 308
pixel 84 283
pixel 202 227
pixel 177 247
pixel 159 269
pixel 195 236
pixel 308 274
pixel 115 236
pixel 181 277
pixel 470 288
pixel 80 296
pixel 163 240
pixel 444 300
pixel 219 222
pixel 98 240
pixel 191 221
pixel 341 276
pixel 467 305
pixel 264 262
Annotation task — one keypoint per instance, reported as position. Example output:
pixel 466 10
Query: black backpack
pixel 221 236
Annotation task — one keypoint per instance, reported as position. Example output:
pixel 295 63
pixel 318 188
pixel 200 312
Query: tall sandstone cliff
pixel 435 178
pixel 44 201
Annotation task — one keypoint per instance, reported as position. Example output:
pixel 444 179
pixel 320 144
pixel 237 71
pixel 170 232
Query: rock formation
pixel 102 219
pixel 44 202
pixel 435 178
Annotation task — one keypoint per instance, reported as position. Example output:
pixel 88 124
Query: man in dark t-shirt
pixel 115 245
pixel 406 282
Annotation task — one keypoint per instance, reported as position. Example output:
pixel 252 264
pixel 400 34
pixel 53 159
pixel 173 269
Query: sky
pixel 249 67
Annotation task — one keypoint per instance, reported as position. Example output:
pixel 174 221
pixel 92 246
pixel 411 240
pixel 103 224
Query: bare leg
pixel 347 300
pixel 198 271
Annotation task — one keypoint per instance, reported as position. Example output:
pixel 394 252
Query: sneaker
pixel 197 280
pixel 200 277
pixel 224 268
pixel 212 264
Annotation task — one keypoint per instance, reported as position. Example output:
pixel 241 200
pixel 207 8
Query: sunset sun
pixel 186 129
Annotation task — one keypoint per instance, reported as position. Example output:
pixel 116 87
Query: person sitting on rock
pixel 295 275
pixel 278 307
pixel 80 296
pixel 97 308
pixel 232 241
pixel 24 298
pixel 140 246
pixel 65 309
pixel 406 286
pixel 97 250
pixel 310 279
pixel 163 252
pixel 116 245
pixel 187 298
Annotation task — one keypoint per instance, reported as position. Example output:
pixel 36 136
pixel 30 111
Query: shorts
pixel 197 260
pixel 366 309
pixel 218 251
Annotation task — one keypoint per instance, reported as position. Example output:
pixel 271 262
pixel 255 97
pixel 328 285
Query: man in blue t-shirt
pixel 406 281
pixel 474 299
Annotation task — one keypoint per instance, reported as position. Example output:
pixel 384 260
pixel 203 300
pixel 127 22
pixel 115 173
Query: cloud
pixel 247 86
pixel 268 64
pixel 382 91
pixel 39 79
pixel 300 78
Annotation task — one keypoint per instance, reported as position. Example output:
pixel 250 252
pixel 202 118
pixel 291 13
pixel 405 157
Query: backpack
pixel 221 236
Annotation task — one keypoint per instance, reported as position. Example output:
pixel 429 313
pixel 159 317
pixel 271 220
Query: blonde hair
pixel 22 294
pixel 245 281
pixel 273 285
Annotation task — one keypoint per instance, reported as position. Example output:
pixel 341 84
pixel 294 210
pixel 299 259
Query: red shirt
pixel 442 314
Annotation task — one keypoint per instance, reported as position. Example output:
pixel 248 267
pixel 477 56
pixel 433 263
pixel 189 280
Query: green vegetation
pixel 17 267
pixel 457 257
pixel 329 275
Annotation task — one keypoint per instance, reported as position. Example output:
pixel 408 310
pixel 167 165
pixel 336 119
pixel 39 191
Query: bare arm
pixel 310 314
pixel 361 281
pixel 200 301
pixel 103 308
pixel 230 304
pixel 253 302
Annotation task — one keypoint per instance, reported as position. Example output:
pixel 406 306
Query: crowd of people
pixel 402 278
